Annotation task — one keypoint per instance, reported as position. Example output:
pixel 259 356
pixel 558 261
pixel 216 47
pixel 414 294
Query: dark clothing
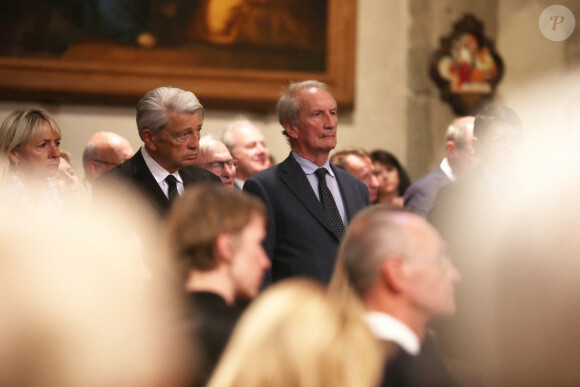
pixel 419 197
pixel 213 323
pixel 134 172
pixel 300 240
pixel 424 370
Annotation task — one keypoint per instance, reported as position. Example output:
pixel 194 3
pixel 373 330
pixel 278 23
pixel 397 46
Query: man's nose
pixel 228 170
pixel 193 142
pixel 262 148
pixel 330 120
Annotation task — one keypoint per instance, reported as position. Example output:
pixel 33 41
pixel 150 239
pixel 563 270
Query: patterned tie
pixel 328 203
pixel 172 184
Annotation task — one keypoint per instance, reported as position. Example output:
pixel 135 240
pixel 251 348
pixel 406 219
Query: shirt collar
pixel 386 327
pixel 446 168
pixel 158 172
pixel 239 182
pixel 309 167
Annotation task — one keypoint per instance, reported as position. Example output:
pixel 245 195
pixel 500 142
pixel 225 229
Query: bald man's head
pixel 104 151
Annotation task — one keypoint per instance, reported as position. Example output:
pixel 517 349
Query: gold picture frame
pixel 100 80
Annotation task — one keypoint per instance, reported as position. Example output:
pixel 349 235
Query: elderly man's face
pixel 315 133
pixel 362 169
pixel 217 159
pixel 250 151
pixel 431 275
pixel 175 147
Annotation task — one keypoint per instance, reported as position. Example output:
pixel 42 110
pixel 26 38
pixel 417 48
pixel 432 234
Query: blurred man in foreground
pixel 396 263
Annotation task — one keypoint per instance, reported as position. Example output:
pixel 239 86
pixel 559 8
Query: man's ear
pixel 394 273
pixel 149 139
pixel 93 168
pixel 450 146
pixel 224 246
pixel 290 129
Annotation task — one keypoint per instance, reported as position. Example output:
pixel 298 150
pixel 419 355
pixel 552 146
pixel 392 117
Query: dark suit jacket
pixel 136 173
pixel 424 370
pixel 419 197
pixel 300 241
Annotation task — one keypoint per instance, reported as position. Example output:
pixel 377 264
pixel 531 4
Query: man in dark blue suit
pixel 169 121
pixel 309 201
pixel 460 159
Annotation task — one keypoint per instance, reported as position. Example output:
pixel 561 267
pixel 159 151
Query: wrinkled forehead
pixel 313 98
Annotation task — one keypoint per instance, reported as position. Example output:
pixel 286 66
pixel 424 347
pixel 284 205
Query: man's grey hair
pixel 228 137
pixel 376 233
pixel 154 108
pixel 457 131
pixel 288 107
pixel 206 142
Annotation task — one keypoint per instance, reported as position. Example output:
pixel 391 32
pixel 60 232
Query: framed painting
pixel 230 53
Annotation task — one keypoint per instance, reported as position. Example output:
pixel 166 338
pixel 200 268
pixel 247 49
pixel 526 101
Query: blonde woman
pixel 29 158
pixel 294 335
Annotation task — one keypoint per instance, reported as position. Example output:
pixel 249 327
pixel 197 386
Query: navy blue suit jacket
pixel 420 196
pixel 300 241
pixel 135 173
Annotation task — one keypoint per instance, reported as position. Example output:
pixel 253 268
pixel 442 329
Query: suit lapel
pixel 142 173
pixel 348 194
pixel 294 178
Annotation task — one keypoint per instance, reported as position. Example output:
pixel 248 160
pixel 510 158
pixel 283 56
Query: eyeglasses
pixel 218 166
pixel 104 162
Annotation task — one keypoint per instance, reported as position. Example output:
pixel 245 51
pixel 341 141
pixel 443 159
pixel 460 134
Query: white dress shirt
pixel 160 174
pixel 386 327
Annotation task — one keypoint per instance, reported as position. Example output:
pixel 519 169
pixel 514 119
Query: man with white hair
pixel 247 145
pixel 169 121
pixel 215 157
pixel 104 151
pixel 460 159
pixel 396 263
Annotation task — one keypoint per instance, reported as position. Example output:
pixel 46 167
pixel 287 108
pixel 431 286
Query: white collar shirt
pixel 160 174
pixel 386 327
pixel 309 168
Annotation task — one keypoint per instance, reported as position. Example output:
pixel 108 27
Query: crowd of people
pixel 329 268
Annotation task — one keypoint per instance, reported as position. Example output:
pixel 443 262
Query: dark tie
pixel 328 203
pixel 172 190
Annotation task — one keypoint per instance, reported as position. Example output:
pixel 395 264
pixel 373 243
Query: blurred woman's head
pixel 29 144
pixel 296 335
pixel 393 179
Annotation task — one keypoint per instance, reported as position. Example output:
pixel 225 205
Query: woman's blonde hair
pixel 296 335
pixel 18 129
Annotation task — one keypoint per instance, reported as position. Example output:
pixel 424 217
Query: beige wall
pixel 394 36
